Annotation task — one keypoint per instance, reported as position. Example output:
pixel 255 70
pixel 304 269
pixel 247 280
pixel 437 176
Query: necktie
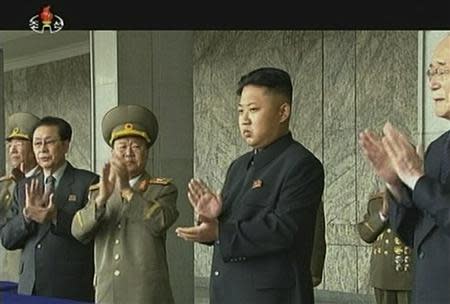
pixel 50 184
pixel 445 163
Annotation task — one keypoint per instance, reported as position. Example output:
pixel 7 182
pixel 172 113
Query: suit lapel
pixel 426 224
pixel 433 169
pixel 60 196
pixel 64 187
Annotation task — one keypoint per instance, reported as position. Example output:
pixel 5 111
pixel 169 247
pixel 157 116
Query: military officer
pixel 391 263
pixel 22 163
pixel 128 214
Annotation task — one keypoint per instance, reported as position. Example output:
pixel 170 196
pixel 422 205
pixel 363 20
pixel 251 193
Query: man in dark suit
pixel 53 263
pixel 420 191
pixel 391 263
pixel 262 225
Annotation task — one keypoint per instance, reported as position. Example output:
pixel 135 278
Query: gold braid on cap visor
pixel 16 133
pixel 128 130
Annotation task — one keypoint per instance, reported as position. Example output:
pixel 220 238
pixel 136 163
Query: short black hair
pixel 276 80
pixel 64 128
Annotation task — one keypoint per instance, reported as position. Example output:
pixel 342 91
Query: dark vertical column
pixel 155 70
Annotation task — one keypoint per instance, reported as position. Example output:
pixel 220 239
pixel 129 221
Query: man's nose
pixel 434 84
pixel 128 151
pixel 245 120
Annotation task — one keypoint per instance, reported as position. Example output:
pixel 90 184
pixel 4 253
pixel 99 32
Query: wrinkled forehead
pixel 130 140
pixel 45 131
pixel 441 54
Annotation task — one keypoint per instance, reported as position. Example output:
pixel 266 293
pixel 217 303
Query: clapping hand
pixel 207 207
pixel 39 205
pixel 206 204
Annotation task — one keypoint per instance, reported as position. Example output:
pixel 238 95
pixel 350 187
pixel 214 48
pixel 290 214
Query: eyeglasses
pixel 48 142
pixel 437 71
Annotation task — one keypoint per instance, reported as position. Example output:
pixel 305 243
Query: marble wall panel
pixel 59 88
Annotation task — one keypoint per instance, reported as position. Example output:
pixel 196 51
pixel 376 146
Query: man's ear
pixel 285 111
pixel 66 146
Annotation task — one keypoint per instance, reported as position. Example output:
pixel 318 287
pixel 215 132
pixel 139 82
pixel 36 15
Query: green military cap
pixel 21 125
pixel 129 120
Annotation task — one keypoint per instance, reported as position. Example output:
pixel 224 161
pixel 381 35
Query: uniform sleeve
pixel 403 215
pixel 64 218
pixel 276 230
pixel 319 248
pixel 158 210
pixel 433 198
pixel 16 230
pixel 371 226
pixel 87 220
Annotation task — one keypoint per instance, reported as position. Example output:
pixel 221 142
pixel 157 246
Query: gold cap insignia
pixel 130 120
pixel 72 198
pixel 16 133
pixel 128 129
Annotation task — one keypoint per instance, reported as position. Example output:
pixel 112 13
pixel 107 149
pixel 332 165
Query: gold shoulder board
pixel 160 181
pixel 94 187
pixel 5 178
pixel 376 195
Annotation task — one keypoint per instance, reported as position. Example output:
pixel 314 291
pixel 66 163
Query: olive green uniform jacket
pixel 9 259
pixel 391 262
pixel 130 242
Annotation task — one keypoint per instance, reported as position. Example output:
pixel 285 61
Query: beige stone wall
pixel 59 88
pixel 344 81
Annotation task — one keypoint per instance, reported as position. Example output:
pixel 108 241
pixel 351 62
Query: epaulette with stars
pixel 376 195
pixel 154 181
pixel 6 178
pixel 160 180
pixel 94 187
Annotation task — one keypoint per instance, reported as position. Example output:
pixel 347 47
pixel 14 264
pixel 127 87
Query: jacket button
pixel 117 242
pixel 216 273
pixel 117 257
pixel 39 246
pixel 117 273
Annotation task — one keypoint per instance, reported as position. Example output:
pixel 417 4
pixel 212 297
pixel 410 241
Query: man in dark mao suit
pixel 420 191
pixel 262 225
pixel 53 263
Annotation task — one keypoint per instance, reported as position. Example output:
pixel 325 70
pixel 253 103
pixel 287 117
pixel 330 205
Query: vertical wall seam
pixel 420 88
pixel 355 144
pixel 93 108
pixel 323 124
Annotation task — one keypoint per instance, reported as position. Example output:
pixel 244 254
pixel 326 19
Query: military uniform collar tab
pixel 33 172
